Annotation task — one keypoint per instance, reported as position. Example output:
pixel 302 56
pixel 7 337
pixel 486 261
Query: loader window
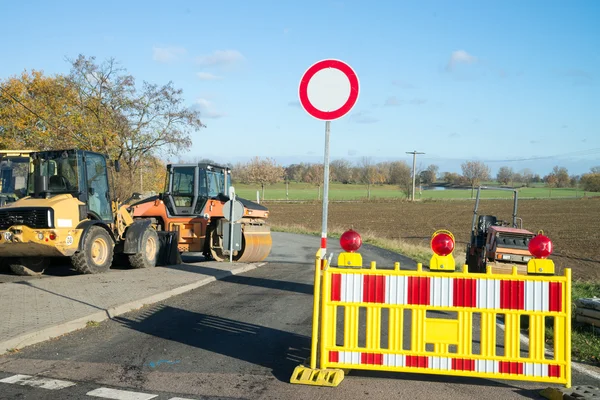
pixel 13 176
pixel 97 183
pixel 183 186
pixel 61 168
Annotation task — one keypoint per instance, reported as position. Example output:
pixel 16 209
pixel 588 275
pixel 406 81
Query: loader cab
pixel 188 187
pixel 82 174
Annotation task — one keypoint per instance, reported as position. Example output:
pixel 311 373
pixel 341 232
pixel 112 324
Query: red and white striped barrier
pixel 484 293
pixel 354 358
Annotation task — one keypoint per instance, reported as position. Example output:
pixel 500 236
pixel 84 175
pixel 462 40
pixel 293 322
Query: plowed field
pixel 572 224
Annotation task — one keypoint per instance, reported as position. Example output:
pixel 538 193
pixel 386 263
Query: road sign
pixel 238 210
pixel 328 89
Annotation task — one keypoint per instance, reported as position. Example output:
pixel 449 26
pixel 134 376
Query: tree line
pixel 267 171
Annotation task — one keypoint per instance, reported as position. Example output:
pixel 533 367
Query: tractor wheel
pixel 29 266
pixel 96 253
pixel 148 256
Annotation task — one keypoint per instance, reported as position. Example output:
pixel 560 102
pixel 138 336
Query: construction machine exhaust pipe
pixel 40 186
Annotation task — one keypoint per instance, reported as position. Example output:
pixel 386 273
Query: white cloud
pixel 207 109
pixel 220 58
pixel 363 117
pixel 207 76
pixel 392 101
pixel 460 57
pixel 167 54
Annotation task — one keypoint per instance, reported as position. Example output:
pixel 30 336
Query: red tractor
pixel 497 243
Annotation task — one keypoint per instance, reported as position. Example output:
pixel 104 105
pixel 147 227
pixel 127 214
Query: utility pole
pixel 414 172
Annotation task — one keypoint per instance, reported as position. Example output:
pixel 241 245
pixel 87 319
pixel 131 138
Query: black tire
pixel 29 266
pixel 148 256
pixel 97 252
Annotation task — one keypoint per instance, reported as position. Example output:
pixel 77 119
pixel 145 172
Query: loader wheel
pixel 97 252
pixel 29 266
pixel 147 257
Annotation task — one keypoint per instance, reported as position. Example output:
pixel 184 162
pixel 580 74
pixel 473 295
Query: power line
pixel 414 153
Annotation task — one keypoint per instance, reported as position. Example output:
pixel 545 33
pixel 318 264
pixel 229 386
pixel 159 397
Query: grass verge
pixel 585 342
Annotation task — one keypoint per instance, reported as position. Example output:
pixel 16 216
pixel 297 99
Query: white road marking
pixel 44 383
pixel 179 398
pixel 115 394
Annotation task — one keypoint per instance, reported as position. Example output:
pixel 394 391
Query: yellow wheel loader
pixel 69 213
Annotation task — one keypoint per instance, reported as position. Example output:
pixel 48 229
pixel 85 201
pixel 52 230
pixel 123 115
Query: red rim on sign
pixel 328 114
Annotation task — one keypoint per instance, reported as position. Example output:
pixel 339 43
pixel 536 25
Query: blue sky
pixel 460 80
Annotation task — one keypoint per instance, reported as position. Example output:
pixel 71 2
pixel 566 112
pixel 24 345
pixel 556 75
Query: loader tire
pixel 96 253
pixel 29 266
pixel 148 256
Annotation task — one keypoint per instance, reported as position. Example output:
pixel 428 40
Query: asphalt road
pixel 238 338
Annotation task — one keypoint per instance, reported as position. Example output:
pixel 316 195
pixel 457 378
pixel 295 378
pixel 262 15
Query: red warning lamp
pixel 442 244
pixel 540 246
pixel 350 241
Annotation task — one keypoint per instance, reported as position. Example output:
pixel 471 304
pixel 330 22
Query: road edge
pixel 63 328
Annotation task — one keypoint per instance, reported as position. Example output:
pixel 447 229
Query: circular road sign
pixel 238 210
pixel 328 89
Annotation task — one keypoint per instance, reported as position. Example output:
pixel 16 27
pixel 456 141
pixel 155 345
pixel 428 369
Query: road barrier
pixel 438 323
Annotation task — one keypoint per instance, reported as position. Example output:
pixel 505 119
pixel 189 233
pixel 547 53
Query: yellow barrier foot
pixel 317 377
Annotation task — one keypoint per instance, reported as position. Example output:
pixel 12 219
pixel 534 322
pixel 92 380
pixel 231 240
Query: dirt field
pixel 572 224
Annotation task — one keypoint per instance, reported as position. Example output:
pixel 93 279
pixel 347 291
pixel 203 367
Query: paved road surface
pixel 238 338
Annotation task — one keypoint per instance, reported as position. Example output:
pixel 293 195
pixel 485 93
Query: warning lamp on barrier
pixel 540 247
pixel 442 244
pixel 350 241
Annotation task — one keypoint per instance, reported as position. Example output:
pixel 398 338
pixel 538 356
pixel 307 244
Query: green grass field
pixel 338 191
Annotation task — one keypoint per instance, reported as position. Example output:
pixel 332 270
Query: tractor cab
pixel 82 174
pixel 188 187
pixel 14 168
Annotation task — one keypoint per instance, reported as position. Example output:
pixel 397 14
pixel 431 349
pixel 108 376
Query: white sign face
pixel 328 89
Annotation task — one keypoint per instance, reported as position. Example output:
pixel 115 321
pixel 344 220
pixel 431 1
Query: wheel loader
pixel 68 212
pixel 497 243
pixel 192 205
pixel 14 169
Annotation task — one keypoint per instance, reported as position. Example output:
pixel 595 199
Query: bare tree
pixel 400 174
pixel 429 175
pixel 315 176
pixel 264 172
pixel 341 171
pixel 474 172
pixel 368 174
pixel 135 123
pixel 505 175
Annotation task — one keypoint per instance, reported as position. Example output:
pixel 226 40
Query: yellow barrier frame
pixel 444 333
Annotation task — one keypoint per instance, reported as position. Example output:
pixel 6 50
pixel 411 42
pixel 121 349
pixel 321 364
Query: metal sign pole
pixel 231 223
pixel 325 191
